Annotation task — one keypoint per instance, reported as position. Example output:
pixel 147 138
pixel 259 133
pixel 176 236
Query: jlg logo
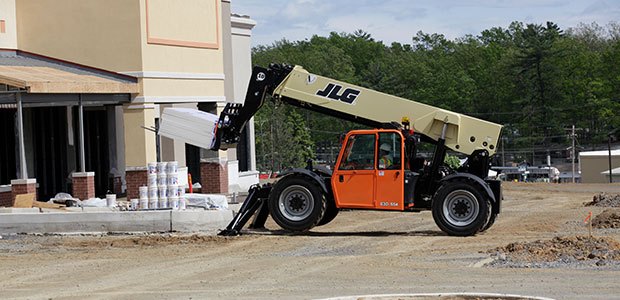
pixel 331 91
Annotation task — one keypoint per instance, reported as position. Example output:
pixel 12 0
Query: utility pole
pixel 609 151
pixel 573 152
pixel 503 154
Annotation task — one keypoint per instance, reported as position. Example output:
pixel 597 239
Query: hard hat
pixel 385 147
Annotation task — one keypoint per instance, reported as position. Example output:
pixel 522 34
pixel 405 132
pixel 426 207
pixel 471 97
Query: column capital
pixel 82 174
pixel 23 181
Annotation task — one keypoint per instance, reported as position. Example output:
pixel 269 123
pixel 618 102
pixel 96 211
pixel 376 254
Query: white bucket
pixel 153 204
pixel 151 168
pixel 172 167
pixel 144 203
pixel 161 167
pixel 162 179
pixel 173 191
pixel 153 193
pixel 172 179
pixel 181 191
pixel 163 203
pixel 173 202
pixel 182 203
pixel 135 204
pixel 163 191
pixel 144 192
pixel 152 180
pixel 110 200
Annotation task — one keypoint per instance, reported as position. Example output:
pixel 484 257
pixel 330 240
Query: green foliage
pixel 452 161
pixel 282 138
pixel 535 79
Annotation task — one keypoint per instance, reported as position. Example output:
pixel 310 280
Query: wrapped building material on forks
pixel 191 126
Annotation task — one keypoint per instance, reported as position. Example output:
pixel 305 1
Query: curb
pixel 440 296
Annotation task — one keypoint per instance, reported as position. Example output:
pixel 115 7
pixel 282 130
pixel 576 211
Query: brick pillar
pixel 83 185
pixel 6 196
pixel 214 176
pixel 135 178
pixel 23 186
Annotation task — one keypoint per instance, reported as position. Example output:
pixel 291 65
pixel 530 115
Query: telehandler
pixel 463 201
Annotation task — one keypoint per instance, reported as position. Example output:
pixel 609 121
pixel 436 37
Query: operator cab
pixel 370 171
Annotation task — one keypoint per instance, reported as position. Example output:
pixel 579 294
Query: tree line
pixel 535 79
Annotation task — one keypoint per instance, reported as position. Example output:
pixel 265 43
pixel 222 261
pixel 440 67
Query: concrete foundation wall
pixel 14 221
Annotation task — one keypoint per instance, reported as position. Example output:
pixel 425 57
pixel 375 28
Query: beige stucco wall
pixel 242 55
pixel 101 34
pixel 173 22
pixel 173 47
pixel 241 44
pixel 193 90
pixel 8 39
pixel 139 143
pixel 181 49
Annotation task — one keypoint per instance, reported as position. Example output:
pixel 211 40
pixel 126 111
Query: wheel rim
pixel 296 203
pixel 461 208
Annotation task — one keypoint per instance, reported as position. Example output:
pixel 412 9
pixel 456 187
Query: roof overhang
pixel 40 75
pixel 53 81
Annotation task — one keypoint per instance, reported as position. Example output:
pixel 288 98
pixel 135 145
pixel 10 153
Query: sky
pixel 399 20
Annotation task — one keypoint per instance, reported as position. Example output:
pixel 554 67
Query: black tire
pixel 296 203
pixel 460 208
pixel 490 222
pixel 331 211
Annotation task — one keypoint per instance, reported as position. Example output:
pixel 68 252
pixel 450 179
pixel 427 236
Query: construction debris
pixel 24 201
pixel 605 200
pixel 576 252
pixel 609 218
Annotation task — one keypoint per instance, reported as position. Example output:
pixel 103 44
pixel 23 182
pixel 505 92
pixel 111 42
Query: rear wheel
pixel 296 203
pixel 459 208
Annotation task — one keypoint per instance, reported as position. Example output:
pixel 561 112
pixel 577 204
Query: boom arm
pixel 298 87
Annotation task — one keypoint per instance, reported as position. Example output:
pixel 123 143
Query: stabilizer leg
pixel 252 203
pixel 261 217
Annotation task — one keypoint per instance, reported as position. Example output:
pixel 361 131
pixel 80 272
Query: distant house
pixel 594 165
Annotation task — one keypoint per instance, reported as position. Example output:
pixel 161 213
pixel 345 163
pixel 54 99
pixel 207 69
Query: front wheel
pixel 296 203
pixel 459 208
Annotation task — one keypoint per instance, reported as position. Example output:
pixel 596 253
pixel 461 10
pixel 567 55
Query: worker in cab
pixel 385 156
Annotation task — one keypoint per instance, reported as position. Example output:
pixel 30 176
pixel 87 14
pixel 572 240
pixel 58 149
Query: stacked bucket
pixel 163 190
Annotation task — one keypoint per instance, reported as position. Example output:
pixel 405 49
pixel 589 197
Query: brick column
pixel 83 185
pixel 135 178
pixel 23 186
pixel 6 196
pixel 214 176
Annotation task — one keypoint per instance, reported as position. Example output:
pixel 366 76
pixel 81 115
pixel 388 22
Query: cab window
pixel 359 153
pixel 388 153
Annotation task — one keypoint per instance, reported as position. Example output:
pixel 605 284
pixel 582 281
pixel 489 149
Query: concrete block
pixel 200 220
pixel 13 210
pixel 92 209
pixel 148 221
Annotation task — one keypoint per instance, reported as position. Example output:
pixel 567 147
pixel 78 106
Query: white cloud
pixel 399 20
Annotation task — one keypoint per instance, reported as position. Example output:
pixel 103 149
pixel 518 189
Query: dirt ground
pixel 359 253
